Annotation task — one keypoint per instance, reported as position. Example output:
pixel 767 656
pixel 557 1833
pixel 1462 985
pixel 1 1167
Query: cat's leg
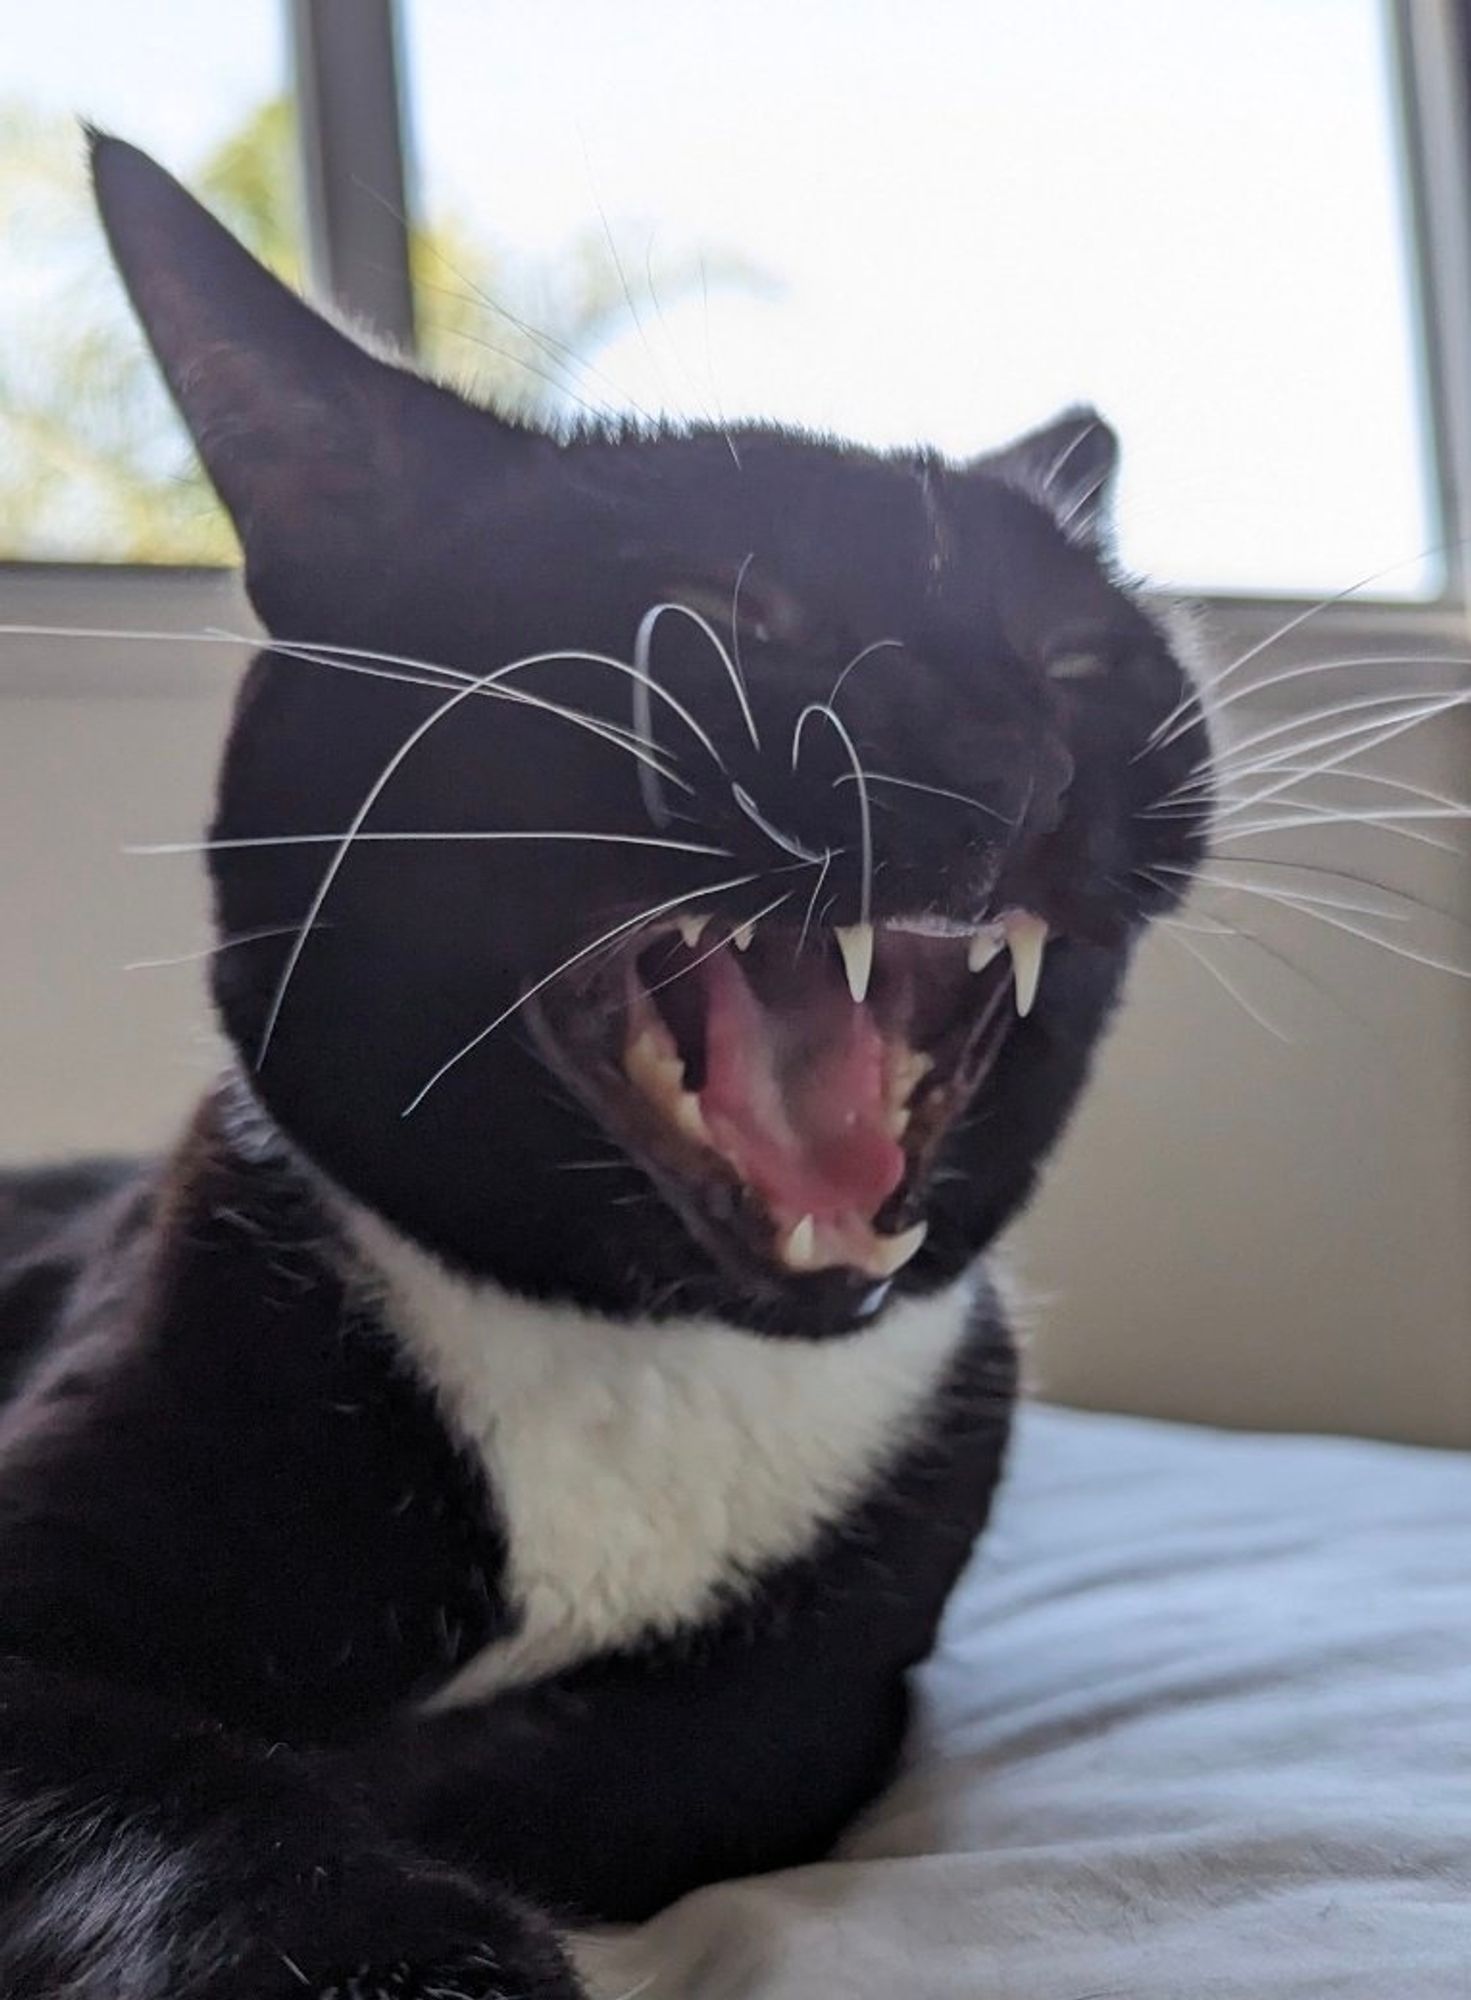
pixel 609 1793
pixel 147 1854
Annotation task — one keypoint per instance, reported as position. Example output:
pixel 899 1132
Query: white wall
pixel 1239 1229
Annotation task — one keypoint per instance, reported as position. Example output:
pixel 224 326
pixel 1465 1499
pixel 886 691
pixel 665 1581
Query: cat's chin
pixel 790 1091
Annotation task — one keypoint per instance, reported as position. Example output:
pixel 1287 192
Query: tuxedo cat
pixel 497 1472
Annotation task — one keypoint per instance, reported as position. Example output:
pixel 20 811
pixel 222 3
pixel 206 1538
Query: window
pixel 940 222
pixel 945 221
pixel 95 467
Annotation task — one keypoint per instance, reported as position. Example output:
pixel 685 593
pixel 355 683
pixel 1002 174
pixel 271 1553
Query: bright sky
pixel 974 211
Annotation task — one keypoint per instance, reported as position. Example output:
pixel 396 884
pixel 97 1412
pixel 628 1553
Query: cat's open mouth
pixel 790 1093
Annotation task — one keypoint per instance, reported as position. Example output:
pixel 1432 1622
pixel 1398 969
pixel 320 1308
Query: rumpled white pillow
pixel 1199 1726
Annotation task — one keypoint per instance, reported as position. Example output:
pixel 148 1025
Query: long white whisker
pixel 209 950
pixel 1228 985
pixel 214 636
pixel 735 615
pixel 1196 696
pixel 1238 886
pixel 1430 700
pixel 609 937
pixel 1358 744
pixel 549 344
pixel 1338 923
pixel 721 943
pixel 375 791
pixel 1232 771
pixel 934 791
pixel 875 646
pixel 787 842
pixel 612 732
pixel 454 834
pixel 1306 817
pixel 865 816
pixel 1289 865
pixel 1258 687
pixel 1386 782
pixel 646 634
pixel 827 862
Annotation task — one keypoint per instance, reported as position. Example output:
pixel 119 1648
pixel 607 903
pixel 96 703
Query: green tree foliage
pixel 93 464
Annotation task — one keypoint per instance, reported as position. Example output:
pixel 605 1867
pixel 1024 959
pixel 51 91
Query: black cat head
pixel 676 871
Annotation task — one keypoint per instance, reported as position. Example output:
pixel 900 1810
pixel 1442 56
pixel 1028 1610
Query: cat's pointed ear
pixel 1068 466
pixel 314 445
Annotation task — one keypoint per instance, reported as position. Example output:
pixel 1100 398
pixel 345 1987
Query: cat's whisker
pixel 433 836
pixel 934 791
pixel 735 615
pixel 1382 779
pixel 611 731
pixel 1235 882
pixel 748 922
pixel 209 951
pixel 1345 745
pixel 375 791
pixel 356 659
pixel 1174 936
pixel 1203 923
pixel 730 443
pixel 604 410
pixel 827 862
pixel 1232 759
pixel 1252 689
pixel 874 646
pixel 628 298
pixel 600 412
pixel 1225 805
pixel 1193 702
pixel 551 347
pixel 1231 770
pixel 860 779
pixel 1305 817
pixel 685 370
pixel 1317 904
pixel 647 626
pixel 608 937
pixel 1289 865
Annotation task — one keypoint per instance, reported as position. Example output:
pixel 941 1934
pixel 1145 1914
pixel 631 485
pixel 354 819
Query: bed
pixel 1199 1725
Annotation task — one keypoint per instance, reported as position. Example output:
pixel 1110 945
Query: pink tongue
pixel 795 1100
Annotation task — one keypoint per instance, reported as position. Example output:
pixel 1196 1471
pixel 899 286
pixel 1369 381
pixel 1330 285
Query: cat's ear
pixel 315 446
pixel 1068 466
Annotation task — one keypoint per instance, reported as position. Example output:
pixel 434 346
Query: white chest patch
pixel 642 1470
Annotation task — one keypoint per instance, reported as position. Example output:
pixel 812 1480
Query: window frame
pixel 355 139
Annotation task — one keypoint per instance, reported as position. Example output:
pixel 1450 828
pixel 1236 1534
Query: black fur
pixel 238 1544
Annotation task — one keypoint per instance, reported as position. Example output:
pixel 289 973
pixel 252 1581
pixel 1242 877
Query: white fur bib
pixel 642 1470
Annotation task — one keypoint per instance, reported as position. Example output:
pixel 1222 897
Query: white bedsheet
pixel 1199 1726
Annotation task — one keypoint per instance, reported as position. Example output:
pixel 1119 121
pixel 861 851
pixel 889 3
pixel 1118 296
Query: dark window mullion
pixel 345 69
pixel 1433 62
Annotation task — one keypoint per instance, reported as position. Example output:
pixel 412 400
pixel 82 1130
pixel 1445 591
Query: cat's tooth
pixel 651 1063
pixel 798 1250
pixel 1027 936
pixel 691 929
pixel 743 938
pixel 982 948
pixel 690 1118
pixel 892 1253
pixel 855 942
